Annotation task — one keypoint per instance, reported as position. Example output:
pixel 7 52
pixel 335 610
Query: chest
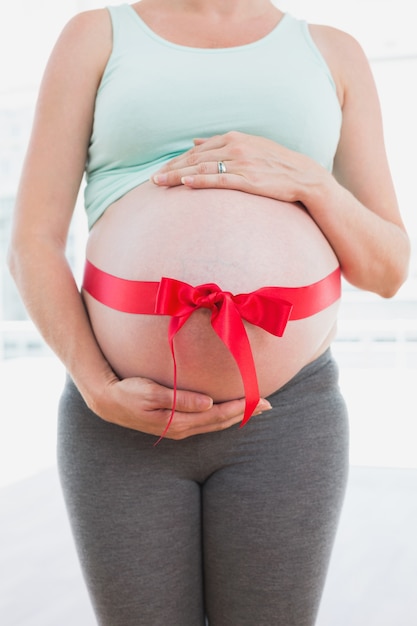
pixel 214 30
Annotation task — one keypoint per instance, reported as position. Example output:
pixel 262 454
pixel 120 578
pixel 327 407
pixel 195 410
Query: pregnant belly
pixel 240 242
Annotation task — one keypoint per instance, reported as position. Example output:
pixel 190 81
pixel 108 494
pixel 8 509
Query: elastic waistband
pixel 269 308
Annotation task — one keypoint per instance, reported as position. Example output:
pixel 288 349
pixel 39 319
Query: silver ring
pixel 221 168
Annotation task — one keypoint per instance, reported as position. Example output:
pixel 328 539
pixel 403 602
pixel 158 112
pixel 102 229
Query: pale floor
pixel 373 574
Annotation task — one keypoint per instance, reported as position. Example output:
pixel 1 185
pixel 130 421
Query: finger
pixel 201 152
pixel 198 141
pixel 186 159
pixel 185 401
pixel 193 158
pixel 220 417
pixel 210 143
pixel 173 178
pixel 217 181
pixel 194 402
pixel 191 402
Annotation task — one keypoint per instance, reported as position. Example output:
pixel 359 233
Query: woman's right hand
pixel 144 405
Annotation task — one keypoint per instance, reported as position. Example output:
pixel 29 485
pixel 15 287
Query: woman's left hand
pixel 252 164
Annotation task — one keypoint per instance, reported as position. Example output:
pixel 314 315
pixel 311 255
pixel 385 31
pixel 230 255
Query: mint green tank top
pixel 156 96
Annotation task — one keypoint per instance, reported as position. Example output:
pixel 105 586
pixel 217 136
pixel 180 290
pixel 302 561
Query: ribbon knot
pixel 212 299
pixel 262 308
pixel 177 298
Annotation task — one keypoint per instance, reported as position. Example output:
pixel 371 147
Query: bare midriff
pixel 239 241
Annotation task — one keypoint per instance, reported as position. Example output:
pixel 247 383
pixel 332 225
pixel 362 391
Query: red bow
pixel 262 308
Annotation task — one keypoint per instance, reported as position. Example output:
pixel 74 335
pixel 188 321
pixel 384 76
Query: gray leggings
pixel 237 526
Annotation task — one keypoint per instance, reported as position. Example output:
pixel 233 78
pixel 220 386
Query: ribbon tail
pixel 229 327
pixel 174 326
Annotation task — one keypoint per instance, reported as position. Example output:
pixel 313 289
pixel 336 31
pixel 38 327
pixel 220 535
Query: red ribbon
pixel 270 312
pixel 269 308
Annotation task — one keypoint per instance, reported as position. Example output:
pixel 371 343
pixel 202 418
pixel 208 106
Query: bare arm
pixel 355 207
pixel 47 194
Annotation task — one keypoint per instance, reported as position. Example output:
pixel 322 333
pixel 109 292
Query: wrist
pixel 93 382
pixel 320 189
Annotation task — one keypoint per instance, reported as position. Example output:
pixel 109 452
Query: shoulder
pixel 337 43
pixel 89 23
pixel 77 62
pixel 344 55
pixel 86 41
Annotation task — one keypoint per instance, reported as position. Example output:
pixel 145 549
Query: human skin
pixel 355 206
pixel 236 240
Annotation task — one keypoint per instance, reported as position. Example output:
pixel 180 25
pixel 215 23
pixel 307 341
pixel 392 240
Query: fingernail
pixel 204 403
pixel 264 405
pixel 187 180
pixel 160 179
